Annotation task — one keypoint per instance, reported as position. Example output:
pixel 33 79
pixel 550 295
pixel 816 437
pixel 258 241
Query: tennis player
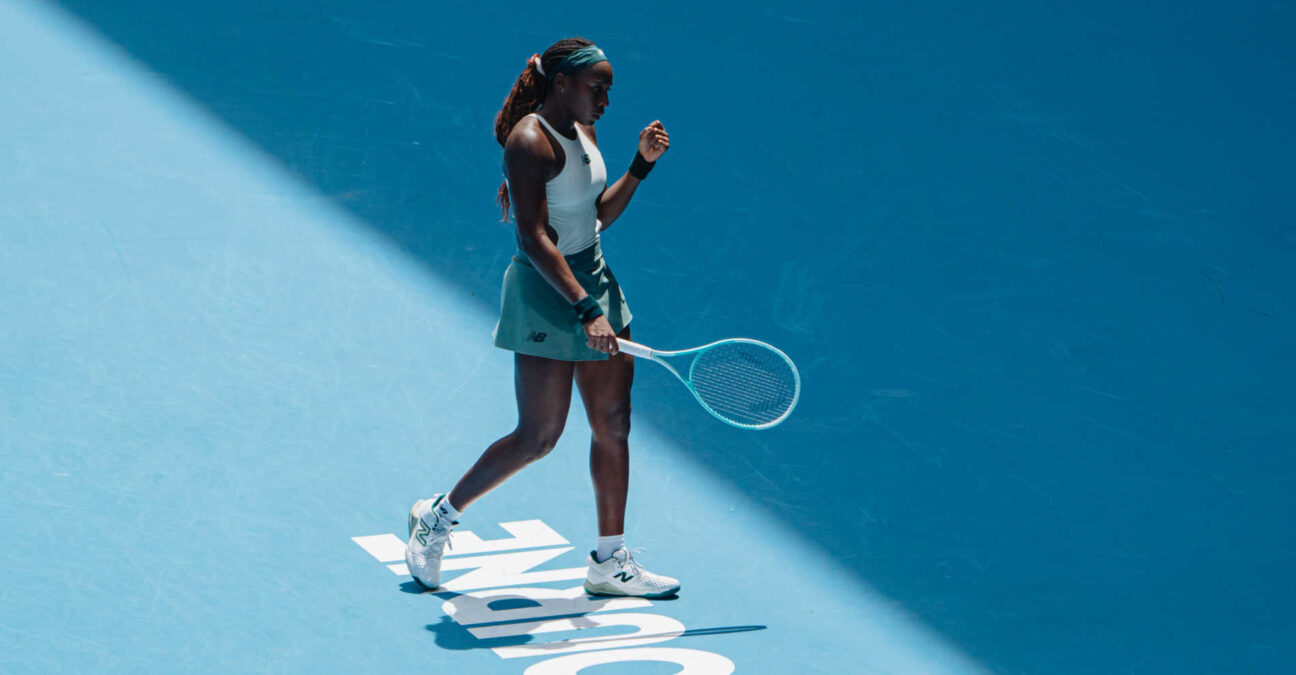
pixel 562 309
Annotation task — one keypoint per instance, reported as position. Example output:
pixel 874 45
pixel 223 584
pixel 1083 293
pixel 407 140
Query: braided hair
pixel 528 92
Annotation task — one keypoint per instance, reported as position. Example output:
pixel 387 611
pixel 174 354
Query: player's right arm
pixel 529 162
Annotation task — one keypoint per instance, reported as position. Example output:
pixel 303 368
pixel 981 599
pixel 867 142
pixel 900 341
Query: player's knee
pixel 544 445
pixel 612 424
pixel 541 441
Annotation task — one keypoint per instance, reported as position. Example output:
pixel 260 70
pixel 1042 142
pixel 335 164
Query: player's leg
pixel 605 390
pixel 543 390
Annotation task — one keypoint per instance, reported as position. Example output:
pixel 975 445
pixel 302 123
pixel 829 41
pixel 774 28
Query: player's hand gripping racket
pixel 746 383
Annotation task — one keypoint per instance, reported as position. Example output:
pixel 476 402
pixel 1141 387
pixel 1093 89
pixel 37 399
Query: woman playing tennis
pixel 562 309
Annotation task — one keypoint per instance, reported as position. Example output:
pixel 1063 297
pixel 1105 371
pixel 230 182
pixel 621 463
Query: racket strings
pixel 749 384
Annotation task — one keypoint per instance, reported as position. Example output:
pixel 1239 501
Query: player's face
pixel 589 95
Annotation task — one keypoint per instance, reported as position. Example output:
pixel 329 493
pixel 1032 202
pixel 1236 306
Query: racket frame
pixel 645 352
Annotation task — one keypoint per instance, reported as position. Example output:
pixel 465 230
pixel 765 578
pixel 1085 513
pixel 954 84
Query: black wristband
pixel 640 167
pixel 587 309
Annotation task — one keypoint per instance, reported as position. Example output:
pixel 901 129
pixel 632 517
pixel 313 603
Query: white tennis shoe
pixel 621 574
pixel 428 534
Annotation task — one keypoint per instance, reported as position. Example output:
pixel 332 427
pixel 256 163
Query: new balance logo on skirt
pixel 499 570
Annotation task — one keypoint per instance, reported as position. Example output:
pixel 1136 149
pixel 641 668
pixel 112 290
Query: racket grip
pixel 634 348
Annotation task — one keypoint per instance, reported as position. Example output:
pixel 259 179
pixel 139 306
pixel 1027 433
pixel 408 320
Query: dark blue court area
pixel 1035 261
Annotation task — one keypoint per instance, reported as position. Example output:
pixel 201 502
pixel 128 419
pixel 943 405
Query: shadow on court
pixel 413 588
pixel 452 636
pixel 1034 264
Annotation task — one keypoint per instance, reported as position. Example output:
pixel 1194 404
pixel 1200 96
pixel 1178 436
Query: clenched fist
pixel 654 141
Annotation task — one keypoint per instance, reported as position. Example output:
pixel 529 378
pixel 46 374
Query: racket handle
pixel 634 348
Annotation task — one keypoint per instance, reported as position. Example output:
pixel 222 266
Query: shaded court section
pixel 1034 263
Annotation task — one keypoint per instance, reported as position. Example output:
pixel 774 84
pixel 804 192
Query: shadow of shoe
pixel 413 587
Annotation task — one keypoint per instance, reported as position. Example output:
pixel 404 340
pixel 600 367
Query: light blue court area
pixel 1036 263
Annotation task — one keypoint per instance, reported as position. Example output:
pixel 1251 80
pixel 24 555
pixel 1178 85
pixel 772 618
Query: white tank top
pixel 572 195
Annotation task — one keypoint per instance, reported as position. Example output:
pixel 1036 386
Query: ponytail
pixel 525 98
pixel 528 93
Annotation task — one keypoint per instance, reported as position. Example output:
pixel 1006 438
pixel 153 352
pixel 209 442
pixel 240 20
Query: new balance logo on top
pixel 537 336
pixel 585 160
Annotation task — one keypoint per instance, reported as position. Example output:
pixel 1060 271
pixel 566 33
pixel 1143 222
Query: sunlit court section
pixel 214 379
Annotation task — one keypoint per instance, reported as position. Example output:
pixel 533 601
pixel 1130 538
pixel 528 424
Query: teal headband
pixel 579 60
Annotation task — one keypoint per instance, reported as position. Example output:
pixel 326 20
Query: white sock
pixel 446 511
pixel 606 545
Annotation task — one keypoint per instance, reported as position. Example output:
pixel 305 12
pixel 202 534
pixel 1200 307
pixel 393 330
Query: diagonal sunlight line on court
pixel 184 296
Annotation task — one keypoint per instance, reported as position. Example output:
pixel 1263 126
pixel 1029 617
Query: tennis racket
pixel 745 383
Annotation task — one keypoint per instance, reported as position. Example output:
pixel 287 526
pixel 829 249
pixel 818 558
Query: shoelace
pixel 449 542
pixel 631 562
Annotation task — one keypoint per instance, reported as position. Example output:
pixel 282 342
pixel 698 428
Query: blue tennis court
pixel 1035 261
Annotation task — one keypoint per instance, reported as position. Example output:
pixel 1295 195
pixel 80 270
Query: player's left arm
pixel 653 143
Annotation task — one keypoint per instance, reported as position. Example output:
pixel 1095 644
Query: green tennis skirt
pixel 536 319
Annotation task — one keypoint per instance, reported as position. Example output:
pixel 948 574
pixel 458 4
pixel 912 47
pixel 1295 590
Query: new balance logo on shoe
pixel 422 532
pixel 624 576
